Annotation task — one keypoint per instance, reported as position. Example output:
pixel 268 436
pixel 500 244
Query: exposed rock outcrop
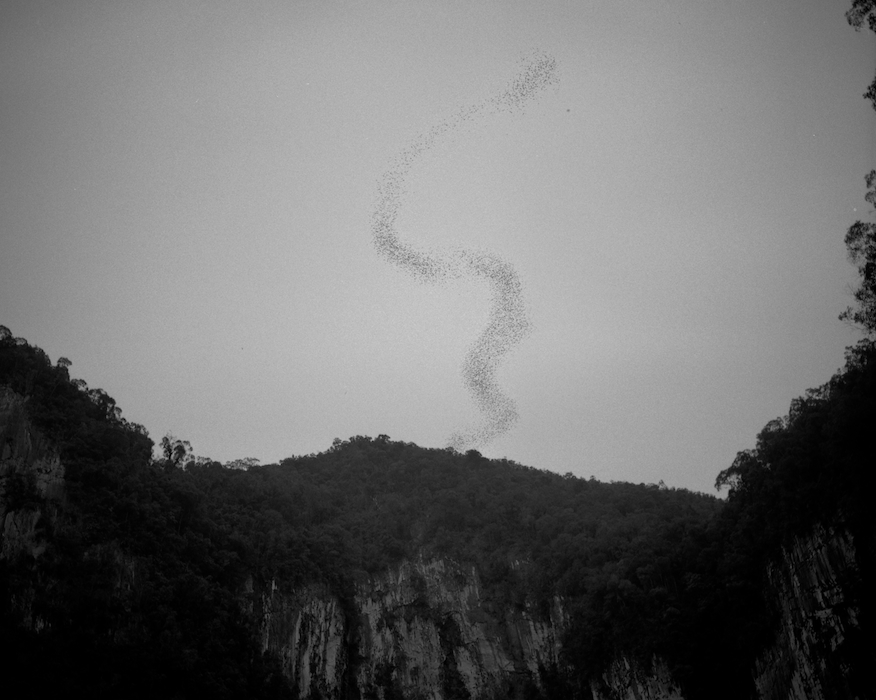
pixel 31 475
pixel 812 585
pixel 627 680
pixel 423 629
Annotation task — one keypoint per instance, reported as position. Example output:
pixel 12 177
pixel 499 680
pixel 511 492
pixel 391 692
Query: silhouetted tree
pixel 864 12
pixel 861 245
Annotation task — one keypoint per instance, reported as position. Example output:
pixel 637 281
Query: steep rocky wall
pixel 430 622
pixel 31 475
pixel 424 629
pixel 813 585
pixel 307 630
pixel 627 680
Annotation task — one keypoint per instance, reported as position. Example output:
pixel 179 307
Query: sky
pixel 189 190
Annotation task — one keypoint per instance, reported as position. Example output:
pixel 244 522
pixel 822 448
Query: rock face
pixel 424 629
pixel 427 630
pixel 31 477
pixel 626 680
pixel 814 654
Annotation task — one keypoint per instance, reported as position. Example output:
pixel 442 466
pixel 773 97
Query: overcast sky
pixel 187 192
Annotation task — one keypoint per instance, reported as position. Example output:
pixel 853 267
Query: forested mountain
pixel 131 580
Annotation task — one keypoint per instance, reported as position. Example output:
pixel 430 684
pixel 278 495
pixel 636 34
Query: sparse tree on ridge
pixel 176 452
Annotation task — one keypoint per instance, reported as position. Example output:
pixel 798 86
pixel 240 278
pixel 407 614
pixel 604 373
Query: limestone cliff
pixel 31 478
pixel 424 629
pixel 816 650
pixel 626 680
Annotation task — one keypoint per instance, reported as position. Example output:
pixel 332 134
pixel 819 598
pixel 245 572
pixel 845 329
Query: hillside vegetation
pixel 643 569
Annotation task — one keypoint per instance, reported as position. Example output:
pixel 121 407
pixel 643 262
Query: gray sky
pixel 186 195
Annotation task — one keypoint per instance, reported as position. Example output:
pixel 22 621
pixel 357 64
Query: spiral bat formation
pixel 508 323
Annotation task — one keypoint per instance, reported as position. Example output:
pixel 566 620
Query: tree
pixel 106 404
pixel 861 245
pixel 242 464
pixel 864 11
pixel 861 237
pixel 175 451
